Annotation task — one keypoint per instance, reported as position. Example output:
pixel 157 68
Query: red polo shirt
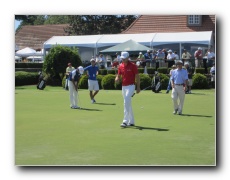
pixel 128 73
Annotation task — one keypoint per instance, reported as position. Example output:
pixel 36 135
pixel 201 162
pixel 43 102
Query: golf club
pixel 142 90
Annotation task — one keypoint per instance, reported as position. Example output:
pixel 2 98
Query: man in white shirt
pixel 170 58
pixel 210 57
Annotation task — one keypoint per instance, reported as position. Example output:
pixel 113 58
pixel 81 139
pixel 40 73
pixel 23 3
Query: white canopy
pixel 78 41
pixel 147 39
pixel 202 37
pixel 25 52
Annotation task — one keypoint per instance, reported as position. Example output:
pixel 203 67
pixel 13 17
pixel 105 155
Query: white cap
pixel 179 62
pixel 170 50
pixel 199 48
pixel 92 60
pixel 124 55
pixel 81 69
pixel 140 52
pixel 186 63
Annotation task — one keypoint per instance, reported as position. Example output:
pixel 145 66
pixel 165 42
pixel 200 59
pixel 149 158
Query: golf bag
pixel 41 82
pixel 156 84
pixel 66 83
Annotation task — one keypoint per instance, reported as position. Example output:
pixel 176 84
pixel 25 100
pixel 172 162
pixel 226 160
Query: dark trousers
pixel 205 66
pixel 170 63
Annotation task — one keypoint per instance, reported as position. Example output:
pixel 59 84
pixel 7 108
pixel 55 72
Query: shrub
pixel 163 70
pixel 145 81
pixel 118 85
pixel 199 81
pixel 102 71
pixel 164 80
pixel 25 78
pixel 200 70
pixel 151 70
pixel 108 81
pixel 141 70
pixel 83 82
pixel 111 71
pixel 99 79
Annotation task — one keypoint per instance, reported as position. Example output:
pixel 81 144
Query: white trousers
pixel 127 92
pixel 178 93
pixel 72 94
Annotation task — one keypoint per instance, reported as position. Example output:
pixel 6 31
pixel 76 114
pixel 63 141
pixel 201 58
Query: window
pixel 194 20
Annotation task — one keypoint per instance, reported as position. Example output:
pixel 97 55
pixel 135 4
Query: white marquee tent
pixel 90 45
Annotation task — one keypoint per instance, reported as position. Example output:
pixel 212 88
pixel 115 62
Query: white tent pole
pixel 151 45
pixel 97 42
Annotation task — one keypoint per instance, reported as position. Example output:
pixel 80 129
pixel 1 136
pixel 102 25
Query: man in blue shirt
pixel 92 72
pixel 179 79
pixel 148 57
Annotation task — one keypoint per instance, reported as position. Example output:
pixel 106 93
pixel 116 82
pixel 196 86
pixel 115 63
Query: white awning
pixel 147 39
pixel 202 37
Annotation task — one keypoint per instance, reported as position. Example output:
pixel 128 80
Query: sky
pixel 7 91
pixel 16 24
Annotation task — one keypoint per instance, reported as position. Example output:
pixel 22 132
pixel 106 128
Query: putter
pixel 141 90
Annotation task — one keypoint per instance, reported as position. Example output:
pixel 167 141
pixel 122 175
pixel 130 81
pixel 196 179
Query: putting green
pixel 49 132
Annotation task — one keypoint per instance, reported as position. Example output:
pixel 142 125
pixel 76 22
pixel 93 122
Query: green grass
pixel 48 132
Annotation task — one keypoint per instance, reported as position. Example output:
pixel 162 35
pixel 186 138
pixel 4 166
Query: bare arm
pixel 117 79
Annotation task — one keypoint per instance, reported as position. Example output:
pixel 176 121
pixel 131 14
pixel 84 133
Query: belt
pixel 128 85
pixel 179 84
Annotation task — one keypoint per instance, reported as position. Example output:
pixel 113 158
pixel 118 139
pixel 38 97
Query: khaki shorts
pixel 189 82
pixel 93 85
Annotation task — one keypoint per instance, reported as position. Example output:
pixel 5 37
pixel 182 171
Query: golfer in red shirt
pixel 129 73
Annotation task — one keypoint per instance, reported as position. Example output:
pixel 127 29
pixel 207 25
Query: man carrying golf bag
pixel 41 81
pixel 156 83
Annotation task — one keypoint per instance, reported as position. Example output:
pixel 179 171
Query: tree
pixel 56 61
pixel 98 24
pixel 30 20
pixel 57 19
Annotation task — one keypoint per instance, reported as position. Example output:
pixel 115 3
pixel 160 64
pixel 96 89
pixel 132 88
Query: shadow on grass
pixel 195 115
pixel 19 88
pixel 105 103
pixel 87 109
pixel 197 94
pixel 147 128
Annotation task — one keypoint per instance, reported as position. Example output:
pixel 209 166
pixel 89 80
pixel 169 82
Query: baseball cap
pixel 140 52
pixel 199 48
pixel 170 50
pixel 124 55
pixel 92 60
pixel 179 62
pixel 81 69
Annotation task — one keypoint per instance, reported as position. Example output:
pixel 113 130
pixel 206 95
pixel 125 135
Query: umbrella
pixel 130 46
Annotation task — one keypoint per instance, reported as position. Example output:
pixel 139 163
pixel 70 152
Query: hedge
pixel 25 78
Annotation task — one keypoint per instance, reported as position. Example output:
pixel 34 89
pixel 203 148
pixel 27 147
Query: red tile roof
pixel 34 36
pixel 168 23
